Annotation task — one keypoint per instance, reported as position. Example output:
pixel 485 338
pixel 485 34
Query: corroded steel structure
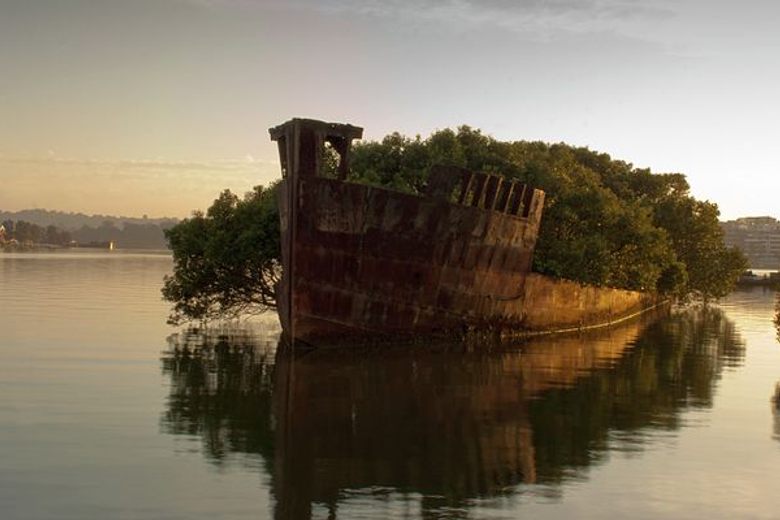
pixel 361 261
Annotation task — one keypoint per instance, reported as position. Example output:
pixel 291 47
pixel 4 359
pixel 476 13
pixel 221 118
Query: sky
pixel 153 107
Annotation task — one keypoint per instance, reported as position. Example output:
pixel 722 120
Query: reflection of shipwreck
pixel 447 425
pixel 361 261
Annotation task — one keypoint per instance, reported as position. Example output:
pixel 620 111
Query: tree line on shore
pixel 129 235
pixel 605 223
pixel 27 233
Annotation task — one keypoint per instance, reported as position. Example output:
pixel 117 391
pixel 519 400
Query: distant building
pixel 757 237
pixel 2 233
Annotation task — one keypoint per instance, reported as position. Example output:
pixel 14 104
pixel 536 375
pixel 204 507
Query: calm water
pixel 107 412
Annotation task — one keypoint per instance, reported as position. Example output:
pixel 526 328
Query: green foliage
pixel 397 162
pixel 605 222
pixel 226 261
pixel 698 240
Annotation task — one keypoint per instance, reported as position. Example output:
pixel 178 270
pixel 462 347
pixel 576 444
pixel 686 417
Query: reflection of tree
pixel 220 390
pixel 673 366
pixel 777 314
pixel 776 397
pixel 447 426
pixel 776 412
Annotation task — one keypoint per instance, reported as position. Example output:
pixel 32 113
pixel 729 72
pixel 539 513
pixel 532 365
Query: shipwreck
pixel 362 262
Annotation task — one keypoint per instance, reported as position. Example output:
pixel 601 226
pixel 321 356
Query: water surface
pixel 107 412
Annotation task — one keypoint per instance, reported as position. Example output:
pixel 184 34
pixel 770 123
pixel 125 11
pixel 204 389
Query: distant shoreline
pixel 45 248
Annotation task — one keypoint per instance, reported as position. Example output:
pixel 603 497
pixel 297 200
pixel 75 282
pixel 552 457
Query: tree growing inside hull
pixel 605 223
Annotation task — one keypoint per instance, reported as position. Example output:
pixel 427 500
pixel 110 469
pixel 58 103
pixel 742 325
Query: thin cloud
pixel 542 18
pixel 228 165
pixel 535 17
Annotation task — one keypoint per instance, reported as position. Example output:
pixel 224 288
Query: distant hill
pixel 74 221
pixel 125 232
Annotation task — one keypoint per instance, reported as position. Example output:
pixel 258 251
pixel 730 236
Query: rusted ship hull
pixel 364 263
pixel 369 260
